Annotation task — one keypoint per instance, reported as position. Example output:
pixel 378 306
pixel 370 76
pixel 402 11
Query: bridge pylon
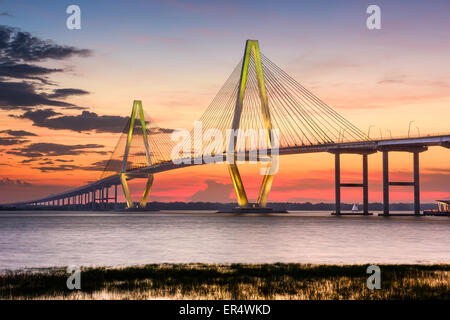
pixel 136 112
pixel 251 51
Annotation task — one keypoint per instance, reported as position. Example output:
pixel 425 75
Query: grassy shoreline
pixel 231 281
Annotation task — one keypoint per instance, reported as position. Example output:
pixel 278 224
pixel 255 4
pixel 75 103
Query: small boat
pixel 355 208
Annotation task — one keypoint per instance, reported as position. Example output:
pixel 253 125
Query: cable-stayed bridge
pixel 260 103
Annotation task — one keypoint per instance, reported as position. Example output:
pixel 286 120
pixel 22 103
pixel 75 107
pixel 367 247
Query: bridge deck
pixel 398 144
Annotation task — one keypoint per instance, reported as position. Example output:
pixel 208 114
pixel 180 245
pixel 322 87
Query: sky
pixel 65 94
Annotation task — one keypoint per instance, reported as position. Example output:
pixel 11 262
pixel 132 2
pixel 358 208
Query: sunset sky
pixel 65 94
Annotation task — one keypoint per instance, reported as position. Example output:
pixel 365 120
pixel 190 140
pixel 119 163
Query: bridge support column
pixel 102 195
pixel 238 185
pixel 147 189
pixel 385 183
pixel 337 182
pixel 365 185
pixel 365 178
pixel 115 197
pixel 107 197
pixel 416 184
pixel 126 190
pixel 415 150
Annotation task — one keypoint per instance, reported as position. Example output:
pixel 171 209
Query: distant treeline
pixel 283 206
pixel 307 206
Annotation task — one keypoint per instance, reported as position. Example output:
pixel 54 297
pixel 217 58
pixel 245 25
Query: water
pixel 44 239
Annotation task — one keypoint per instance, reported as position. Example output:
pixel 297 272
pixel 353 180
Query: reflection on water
pixel 41 239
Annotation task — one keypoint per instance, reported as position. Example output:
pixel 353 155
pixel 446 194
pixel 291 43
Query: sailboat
pixel 355 208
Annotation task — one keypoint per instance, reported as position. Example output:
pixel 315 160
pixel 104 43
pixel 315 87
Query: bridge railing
pixel 411 136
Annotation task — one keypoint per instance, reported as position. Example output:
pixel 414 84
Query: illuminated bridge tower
pixel 136 112
pixel 251 52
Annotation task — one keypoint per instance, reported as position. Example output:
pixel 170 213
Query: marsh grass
pixel 234 281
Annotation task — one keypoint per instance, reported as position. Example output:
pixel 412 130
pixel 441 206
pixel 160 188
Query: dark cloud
pixel 62 167
pixel 37 116
pixel 86 121
pixel 8 141
pixel 15 137
pixel 14 182
pixel 46 162
pixel 43 149
pixel 6 14
pixel 5 36
pixel 63 160
pixel 64 93
pixel 17 50
pixel 18 133
pixel 437 182
pixel 438 170
pixel 27 161
pixel 26 71
pixel 22 46
pixel 150 130
pixel 160 130
pixel 214 192
pixel 15 95
pixel 96 166
pixel 101 165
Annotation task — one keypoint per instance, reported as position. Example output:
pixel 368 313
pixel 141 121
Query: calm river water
pixel 44 239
